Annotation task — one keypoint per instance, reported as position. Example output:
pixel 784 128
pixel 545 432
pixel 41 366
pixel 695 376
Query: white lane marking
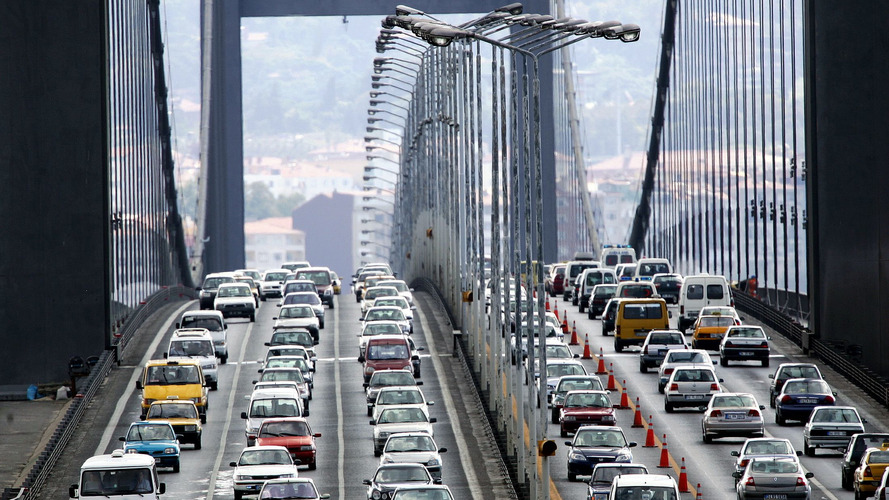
pixel 340 433
pixel 137 372
pixel 228 412
pixel 452 414
pixel 354 358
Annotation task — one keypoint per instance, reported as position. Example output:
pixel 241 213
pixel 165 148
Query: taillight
pixel 674 387
pixel 867 471
pixel 617 330
pixel 745 462
pixel 668 371
pixel 645 351
pixel 681 309
pixel 800 481
pixel 764 344
pixel 714 387
pixel 750 481
pixel 829 399
pixel 753 413
pixel 786 399
pixel 729 344
pixel 716 413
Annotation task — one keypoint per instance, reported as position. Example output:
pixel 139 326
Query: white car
pixel 296 487
pixel 395 301
pixel 296 316
pixel 270 403
pixel 732 414
pixel 371 294
pixel 258 464
pixel 310 299
pixel 196 344
pixel 831 427
pixel 392 420
pixel 676 357
pixel 691 386
pixel 402 396
pixel 271 283
pixel 235 299
pixel 289 350
pixel 414 447
pixel 402 288
pixel 388 313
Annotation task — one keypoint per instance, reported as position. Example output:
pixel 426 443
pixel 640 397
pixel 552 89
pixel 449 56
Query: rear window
pixel 611 260
pixel 318 277
pixel 798 372
pixel 636 291
pixel 694 292
pixel 211 324
pixel 686 357
pixel 666 338
pixel 652 269
pixel 715 292
pixel 694 376
pixel 643 311
pixel 750 333
pixel 717 321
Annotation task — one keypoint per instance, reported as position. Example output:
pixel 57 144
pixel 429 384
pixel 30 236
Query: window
pixel 715 292
pixel 695 292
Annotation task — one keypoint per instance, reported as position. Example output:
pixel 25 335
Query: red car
pixel 585 408
pixel 292 433
pixel 558 281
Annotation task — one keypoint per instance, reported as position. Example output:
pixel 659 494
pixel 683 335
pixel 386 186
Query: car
pixel 731 414
pixel 336 282
pixel 370 294
pixel 676 357
pixel 635 290
pixel 668 286
pixel 722 311
pixel 289 350
pixel 644 486
pixel 594 444
pixel 386 378
pixel 599 486
pixel 556 349
pixel 391 352
pixel 831 427
pixel 709 331
pixel 555 280
pixel 296 265
pixel 763 447
pixel 403 396
pixel 269 403
pixel 372 329
pixel 691 386
pixel 300 316
pixel 613 255
pixel 258 464
pixel 558 368
pixel 625 272
pixel 880 492
pixel 799 396
pixel 299 361
pixel 156 439
pixel 571 383
pixel 402 288
pixel 857 446
pixel 235 299
pixel 389 477
pixel 431 492
pixel 254 287
pixel 294 336
pixel 573 269
pixel 293 433
pixel 182 415
pixel 213 322
pixel 392 420
pixel 636 317
pixel 290 488
pixel 519 348
pixel 773 477
pixel 195 344
pixel 787 371
pixel 656 346
pixel 599 296
pixel 397 301
pixel 388 313
pixel 868 474
pixel 180 379
pixel 585 408
pixel 253 273
pixel 310 299
pixel 359 282
pixel 589 279
pixel 119 475
pixel 296 285
pixel 271 283
pixel 323 280
pixel 289 375
pixel 744 343
pixel 609 314
pixel 414 447
pixel 210 287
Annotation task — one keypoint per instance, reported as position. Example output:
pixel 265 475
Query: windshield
pixel 738 401
pixel 717 321
pixel 576 384
pixel 558 351
pixel 406 397
pixel 235 291
pixel 384 378
pixel 215 282
pixel 387 351
pixel 280 429
pixel 318 277
pixel 605 438
pixel 377 328
pixel 283 374
pixel 407 444
pixel 265 457
pixel 275 276
pixel 172 410
pixel 400 286
pixel 302 489
pixel 402 415
pixel 296 312
pixel 299 338
pixel 587 400
pixel 401 475
pixel 836 415
pixel 151 432
pixel 211 324
pixel 200 348
pixel 774 466
pixel 278 407
pixel 392 314
pixel 173 375
pixel 116 482
pixel 398 301
pixel 380 292
pixel 685 357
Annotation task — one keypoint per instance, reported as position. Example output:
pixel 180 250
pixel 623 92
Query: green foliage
pixel 260 203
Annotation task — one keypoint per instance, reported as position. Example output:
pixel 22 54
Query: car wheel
pixel 707 439
pixel 668 407
pixel 765 362
pixel 238 495
pixel 779 419
pixel 554 416
pixel 580 307
pixel 370 411
pixel 204 418
pixel 377 452
pixel 197 444
pixel 590 314
pixel 262 297
pixel 617 346
pixel 223 359
pixel 252 317
pixel 642 367
pixel 563 433
pixel 809 450
pixel 723 361
pixel 572 477
pixel 176 466
pixel 660 388
pixel 846 480
pixel 859 495
pixel 313 466
pixel 214 386
pixel 772 400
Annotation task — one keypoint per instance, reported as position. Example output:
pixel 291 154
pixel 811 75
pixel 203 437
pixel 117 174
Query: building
pixel 269 242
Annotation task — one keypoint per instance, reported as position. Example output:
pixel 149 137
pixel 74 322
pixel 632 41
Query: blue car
pixel 595 444
pixel 799 396
pixel 155 439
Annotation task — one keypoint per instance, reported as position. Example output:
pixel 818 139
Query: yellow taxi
pixel 337 283
pixel 709 330
pixel 867 476
pixel 181 380
pixel 182 415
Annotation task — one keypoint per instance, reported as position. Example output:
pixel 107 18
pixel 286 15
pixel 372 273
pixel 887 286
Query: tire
pixel 238 495
pixel 660 388
pixel 707 439
pixel 723 361
pixel 642 367
pixel 846 481
pixel 176 466
pixel 590 315
pixel 772 400
pixel 223 359
pixel 377 453
pixel 370 411
pixel 204 418
pixel 668 407
pixel 262 298
pixel 313 466
pixel 779 419
pixel 321 326
pixel 214 386
pixel 580 307
pixel 332 306
pixel 859 495
pixel 563 433
pixel 617 346
pixel 252 317
pixel 197 444
pixel 765 362
pixel 572 477
pixel 554 416
pixel 809 450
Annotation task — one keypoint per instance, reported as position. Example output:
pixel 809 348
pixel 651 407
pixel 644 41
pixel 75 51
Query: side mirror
pixel 736 475
pixel 567 443
pixel 275 318
pixel 178 325
pixel 771 375
pixel 576 355
pixel 421 348
pixel 722 380
pixel 799 453
pixel 244 415
pixel 631 444
pixel 317 434
pixel 139 385
pixel 121 438
pixel 430 403
pixel 366 481
pixel 279 305
pixel 72 491
pixel 267 343
pixel 162 488
pixel 197 289
pixel 233 464
pixel 373 422
pixel 442 450
pixel 433 420
pixel 735 453
pixel 810 475
pixel 762 407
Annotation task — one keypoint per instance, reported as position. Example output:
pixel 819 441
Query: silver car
pixel 763 447
pixel 831 427
pixel 691 386
pixel 773 477
pixel 732 414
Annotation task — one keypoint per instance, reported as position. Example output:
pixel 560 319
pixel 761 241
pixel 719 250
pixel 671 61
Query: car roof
pixel 643 480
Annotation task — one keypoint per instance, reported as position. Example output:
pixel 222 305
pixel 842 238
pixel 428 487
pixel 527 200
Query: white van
pixel 196 344
pixel 700 291
pixel 589 278
pixel 214 322
pixel 572 272
pixel 270 403
pixel 118 475
pixel 612 255
pixel 647 268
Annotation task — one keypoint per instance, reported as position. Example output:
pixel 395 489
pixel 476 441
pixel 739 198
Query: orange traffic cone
pixel 565 322
pixel 574 337
pixel 649 436
pixel 600 370
pixel 611 386
pixel 665 455
pixel 624 399
pixel 547 305
pixel 556 310
pixel 637 417
pixel 683 478
pixel 586 348
pixel 698 496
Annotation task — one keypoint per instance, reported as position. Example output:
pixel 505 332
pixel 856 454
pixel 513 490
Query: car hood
pixel 379 408
pixel 234 300
pixel 599 451
pixel 290 322
pixel 149 446
pixel 265 470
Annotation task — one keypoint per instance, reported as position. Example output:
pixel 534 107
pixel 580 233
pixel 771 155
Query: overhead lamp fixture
pixel 625 32
pixel 512 8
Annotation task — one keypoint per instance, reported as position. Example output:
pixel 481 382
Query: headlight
pixel 169 451
pixel 376 495
pixel 306 447
pixel 576 455
pixel 388 460
pixel 433 462
pixel 608 418
pixel 197 401
pixel 242 478
pixel 190 428
pixel 253 430
pixel 623 457
pixel 407 367
pixel 208 367
pixel 368 370
pixel 383 435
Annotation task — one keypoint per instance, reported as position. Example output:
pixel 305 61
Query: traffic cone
pixel 547 305
pixel 556 310
pixel 611 386
pixel 574 337
pixel 586 348
pixel 624 399
pixel 665 455
pixel 600 370
pixel 649 436
pixel 683 478
pixel 637 417
pixel 698 496
pixel 565 322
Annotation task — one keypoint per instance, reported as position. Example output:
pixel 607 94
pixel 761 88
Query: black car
pixel 857 445
pixel 211 286
pixel 668 286
pixel 595 444
pixel 598 298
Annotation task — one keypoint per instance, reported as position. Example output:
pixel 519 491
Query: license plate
pixel 157 460
pixel 836 433
pixel 808 400
pixel 775 497
pixel 745 353
pixel 641 333
pixel 734 416
pixel 694 396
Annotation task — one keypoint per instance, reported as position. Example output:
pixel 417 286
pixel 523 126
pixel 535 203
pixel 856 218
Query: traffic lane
pixel 750 378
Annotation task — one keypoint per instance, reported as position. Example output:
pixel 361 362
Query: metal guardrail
pixel 43 466
pixel 842 357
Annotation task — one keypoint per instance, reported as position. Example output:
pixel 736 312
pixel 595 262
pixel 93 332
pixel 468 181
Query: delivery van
pixel 173 379
pixel 118 475
pixel 635 318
